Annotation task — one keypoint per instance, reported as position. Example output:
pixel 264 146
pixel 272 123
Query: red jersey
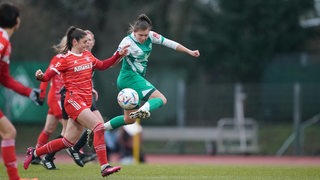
pixel 56 83
pixel 76 71
pixel 5 78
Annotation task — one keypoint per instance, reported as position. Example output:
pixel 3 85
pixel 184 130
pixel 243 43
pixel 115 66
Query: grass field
pixel 170 171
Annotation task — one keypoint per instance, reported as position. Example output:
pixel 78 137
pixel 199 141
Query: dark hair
pixel 142 23
pixel 8 15
pixel 73 33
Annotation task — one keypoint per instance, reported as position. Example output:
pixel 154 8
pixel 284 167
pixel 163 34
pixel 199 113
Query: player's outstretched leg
pixel 109 170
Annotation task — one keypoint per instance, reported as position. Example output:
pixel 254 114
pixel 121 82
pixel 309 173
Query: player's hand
pixel 39 74
pixel 124 50
pixel 35 97
pixel 195 53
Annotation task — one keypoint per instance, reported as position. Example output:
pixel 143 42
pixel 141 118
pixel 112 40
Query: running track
pixel 214 160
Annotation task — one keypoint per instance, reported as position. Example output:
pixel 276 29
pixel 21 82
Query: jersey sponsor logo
pixel 83 67
pixel 57 64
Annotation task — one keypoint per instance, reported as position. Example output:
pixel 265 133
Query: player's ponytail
pixel 143 22
pixel 60 48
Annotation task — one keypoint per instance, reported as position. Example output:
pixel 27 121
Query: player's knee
pixel 49 131
pixel 10 133
pixel 164 100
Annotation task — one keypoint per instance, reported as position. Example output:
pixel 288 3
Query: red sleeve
pixel 102 65
pixel 43 89
pixel 43 85
pixel 9 82
pixel 48 75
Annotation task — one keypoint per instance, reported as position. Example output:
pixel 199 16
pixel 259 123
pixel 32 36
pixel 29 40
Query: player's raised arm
pixel 159 39
pixel 121 52
pixel 194 53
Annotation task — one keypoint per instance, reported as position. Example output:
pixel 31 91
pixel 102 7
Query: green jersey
pixel 134 64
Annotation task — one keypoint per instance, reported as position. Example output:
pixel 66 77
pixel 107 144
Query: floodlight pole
pixel 297 149
pixel 239 118
pixel 181 95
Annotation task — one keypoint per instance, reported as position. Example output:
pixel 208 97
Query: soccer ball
pixel 128 98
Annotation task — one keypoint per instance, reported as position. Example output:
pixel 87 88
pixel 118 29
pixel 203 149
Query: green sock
pixel 152 104
pixel 117 122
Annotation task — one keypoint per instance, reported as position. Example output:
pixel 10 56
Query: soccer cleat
pixel 48 163
pixel 75 156
pixel 36 161
pixel 88 158
pixel 110 170
pixel 29 157
pixel 139 114
pixel 90 138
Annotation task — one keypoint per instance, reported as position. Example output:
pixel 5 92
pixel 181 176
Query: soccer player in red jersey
pixel 80 158
pixel 79 152
pixel 76 68
pixel 54 115
pixel 9 23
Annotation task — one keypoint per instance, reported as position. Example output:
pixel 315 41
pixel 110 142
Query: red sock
pixel 53 146
pixel 42 139
pixel 99 144
pixel 9 158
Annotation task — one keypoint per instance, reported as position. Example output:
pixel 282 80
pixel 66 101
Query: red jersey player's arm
pixel 43 86
pixel 120 53
pixel 102 65
pixel 9 82
pixel 43 89
pixel 47 75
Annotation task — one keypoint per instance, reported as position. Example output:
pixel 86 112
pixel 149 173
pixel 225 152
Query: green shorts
pixel 135 81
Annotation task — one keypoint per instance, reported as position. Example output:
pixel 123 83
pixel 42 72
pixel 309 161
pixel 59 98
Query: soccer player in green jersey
pixel 134 65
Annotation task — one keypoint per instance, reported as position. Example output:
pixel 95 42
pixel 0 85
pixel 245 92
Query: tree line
pixel 236 38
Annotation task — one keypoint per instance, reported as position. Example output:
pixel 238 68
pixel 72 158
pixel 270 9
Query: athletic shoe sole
pixel 139 114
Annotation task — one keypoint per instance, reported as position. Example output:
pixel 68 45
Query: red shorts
pixel 55 109
pixel 74 105
pixel 1 114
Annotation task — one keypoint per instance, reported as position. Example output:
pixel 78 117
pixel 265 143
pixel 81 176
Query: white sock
pixel 107 125
pixel 34 153
pixel 104 166
pixel 145 107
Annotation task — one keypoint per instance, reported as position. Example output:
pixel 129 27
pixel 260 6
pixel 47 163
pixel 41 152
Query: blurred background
pixel 255 87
